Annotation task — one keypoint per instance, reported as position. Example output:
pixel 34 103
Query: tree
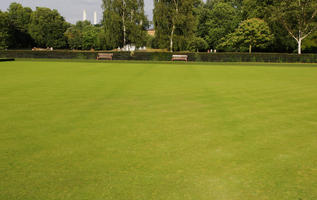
pixel 85 36
pixel 216 22
pixel 250 33
pixel 19 18
pixel 263 9
pixel 161 19
pixel 310 44
pixel 299 18
pixel 74 37
pixel 124 22
pixel 256 9
pixel 197 44
pixel 47 28
pixel 234 3
pixel 4 29
pixel 174 22
pixel 90 37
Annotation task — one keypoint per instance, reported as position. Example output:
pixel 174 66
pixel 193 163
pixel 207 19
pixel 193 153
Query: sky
pixel 72 10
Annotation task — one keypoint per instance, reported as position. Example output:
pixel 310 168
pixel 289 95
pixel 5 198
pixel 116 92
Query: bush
pixel 166 56
pixel 197 44
pixel 150 42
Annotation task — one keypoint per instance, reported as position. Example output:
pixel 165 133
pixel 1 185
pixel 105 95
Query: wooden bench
pixel 180 57
pixel 104 56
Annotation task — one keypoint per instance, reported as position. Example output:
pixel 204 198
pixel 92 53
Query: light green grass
pixel 141 131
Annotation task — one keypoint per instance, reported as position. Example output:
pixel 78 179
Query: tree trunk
pixel 300 46
pixel 171 39
pixel 173 27
pixel 250 48
pixel 124 31
pixel 123 24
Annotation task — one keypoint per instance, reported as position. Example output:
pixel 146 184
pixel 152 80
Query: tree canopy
pixel 250 33
pixel 299 18
pixel 175 23
pixel 217 22
pixel 85 36
pixel 4 29
pixel 19 18
pixel 47 28
pixel 124 23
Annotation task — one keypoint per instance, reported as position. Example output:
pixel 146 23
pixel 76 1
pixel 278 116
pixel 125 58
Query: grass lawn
pixel 141 131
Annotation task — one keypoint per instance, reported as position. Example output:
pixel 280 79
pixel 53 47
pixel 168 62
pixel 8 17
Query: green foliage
pixel 151 42
pixel 166 56
pixel 19 18
pixel 217 22
pixel 47 28
pixel 246 9
pixel 264 9
pixel 4 29
pixel 175 23
pixel 310 44
pixel 162 23
pixel 197 44
pixel 299 18
pixel 113 29
pixel 234 3
pixel 90 35
pixel 250 33
pixel 124 23
pixel 256 9
pixel 74 37
pixel 85 36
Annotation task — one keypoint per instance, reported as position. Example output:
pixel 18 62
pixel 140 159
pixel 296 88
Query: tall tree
pixel 174 22
pixel 19 18
pixel 4 30
pixel 217 21
pixel 84 36
pixel 250 33
pixel 310 44
pixel 162 21
pixel 124 22
pixel 298 17
pixel 113 25
pixel 263 9
pixel 234 3
pixel 47 28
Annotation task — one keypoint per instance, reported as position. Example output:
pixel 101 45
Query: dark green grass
pixel 75 130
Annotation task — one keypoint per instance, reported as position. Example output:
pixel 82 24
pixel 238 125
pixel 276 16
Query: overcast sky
pixel 72 10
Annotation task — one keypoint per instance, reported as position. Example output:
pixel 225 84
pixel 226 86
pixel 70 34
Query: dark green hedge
pixel 6 59
pixel 166 56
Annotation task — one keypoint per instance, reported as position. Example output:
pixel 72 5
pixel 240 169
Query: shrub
pixel 197 44
pixel 166 56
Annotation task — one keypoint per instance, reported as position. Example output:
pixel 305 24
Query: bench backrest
pixel 105 54
pixel 180 56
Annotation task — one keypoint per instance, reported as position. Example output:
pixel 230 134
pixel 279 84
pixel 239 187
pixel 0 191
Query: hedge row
pixel 6 59
pixel 166 56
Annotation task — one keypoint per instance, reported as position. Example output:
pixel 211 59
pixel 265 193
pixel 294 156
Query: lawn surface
pixel 141 131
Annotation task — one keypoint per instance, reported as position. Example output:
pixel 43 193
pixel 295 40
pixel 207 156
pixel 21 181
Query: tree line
pixel 236 25
pixel 21 28
pixel 180 25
